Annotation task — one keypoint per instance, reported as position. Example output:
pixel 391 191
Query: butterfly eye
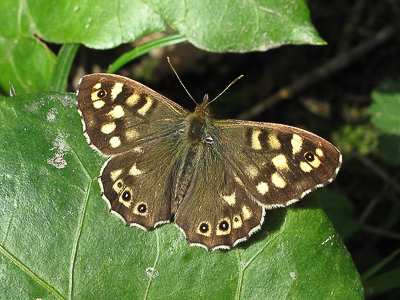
pixel 224 226
pixel 204 228
pixel 126 196
pixel 101 93
pixel 309 156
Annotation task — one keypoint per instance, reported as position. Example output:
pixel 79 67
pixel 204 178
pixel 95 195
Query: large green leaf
pixel 219 26
pixel 24 60
pixel 95 23
pixel 211 25
pixel 58 240
pixel 240 25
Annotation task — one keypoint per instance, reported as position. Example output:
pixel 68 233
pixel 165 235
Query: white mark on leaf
pixel 61 148
pixel 51 115
pixel 151 273
pixel 328 239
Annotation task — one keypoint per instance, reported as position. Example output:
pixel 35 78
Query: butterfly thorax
pixel 199 140
pixel 199 123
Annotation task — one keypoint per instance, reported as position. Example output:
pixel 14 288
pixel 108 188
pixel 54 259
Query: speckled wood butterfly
pixel 216 177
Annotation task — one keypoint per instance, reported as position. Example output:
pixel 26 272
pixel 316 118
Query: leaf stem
pixel 146 48
pixel 59 78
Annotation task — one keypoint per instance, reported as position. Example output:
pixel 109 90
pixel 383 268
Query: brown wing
pixel 277 164
pixel 119 113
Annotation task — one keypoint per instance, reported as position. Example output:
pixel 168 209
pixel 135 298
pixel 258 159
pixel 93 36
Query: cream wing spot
pixel 116 90
pixel 132 99
pixel 278 181
pixel 98 104
pixel 297 143
pixel 252 171
pixel 125 203
pixel 255 142
pixel 262 188
pixel 143 110
pixel 108 128
pixel 237 221
pixel 137 149
pixel 315 163
pixel 280 162
pixel 131 134
pixel 273 142
pixel 246 212
pixel 231 199
pixel 237 179
pixel 305 167
pixel 94 96
pixel 319 152
pixel 115 174
pixel 115 142
pixel 134 171
pixel 117 112
pixel 118 186
pixel 97 86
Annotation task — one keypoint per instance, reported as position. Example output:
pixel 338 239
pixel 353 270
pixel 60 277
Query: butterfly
pixel 216 178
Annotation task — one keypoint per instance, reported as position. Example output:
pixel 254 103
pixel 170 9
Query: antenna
pixel 169 61
pixel 229 85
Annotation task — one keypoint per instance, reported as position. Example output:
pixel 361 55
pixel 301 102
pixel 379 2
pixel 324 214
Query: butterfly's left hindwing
pixel 217 177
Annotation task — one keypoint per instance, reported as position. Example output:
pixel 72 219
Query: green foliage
pixel 364 138
pixel 385 112
pixel 389 147
pixel 385 109
pixel 218 26
pixel 339 209
pixel 382 282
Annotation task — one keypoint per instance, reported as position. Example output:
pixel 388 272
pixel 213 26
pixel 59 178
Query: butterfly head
pixel 203 110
